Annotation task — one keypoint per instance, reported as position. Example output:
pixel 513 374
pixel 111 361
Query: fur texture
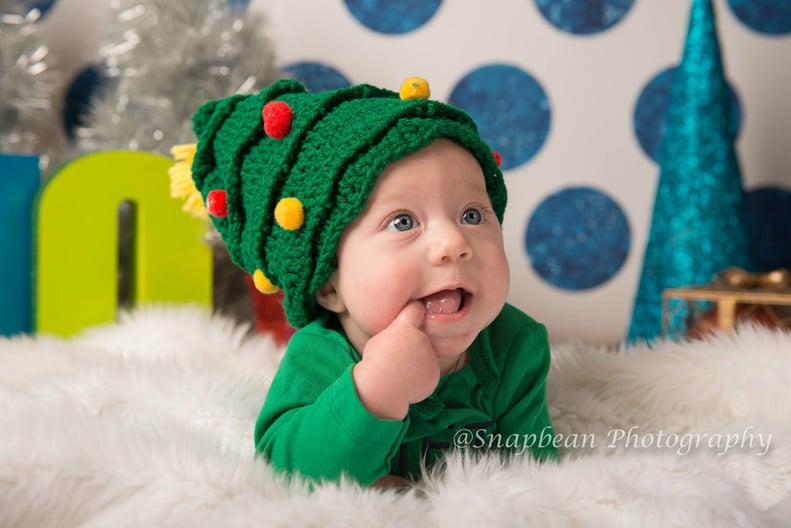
pixel 148 422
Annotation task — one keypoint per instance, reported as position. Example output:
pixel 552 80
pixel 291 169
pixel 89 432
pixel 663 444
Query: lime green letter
pixel 78 238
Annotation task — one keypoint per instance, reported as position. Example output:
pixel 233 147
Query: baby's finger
pixel 413 314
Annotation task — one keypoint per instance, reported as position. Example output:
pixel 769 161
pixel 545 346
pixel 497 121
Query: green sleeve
pixel 313 423
pixel 521 402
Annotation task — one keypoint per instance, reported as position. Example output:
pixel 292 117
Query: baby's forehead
pixel 443 171
pixel 418 185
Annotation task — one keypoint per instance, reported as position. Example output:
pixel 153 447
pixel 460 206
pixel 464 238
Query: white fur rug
pixel 149 422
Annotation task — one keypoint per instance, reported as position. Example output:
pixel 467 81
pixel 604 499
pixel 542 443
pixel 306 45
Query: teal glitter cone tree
pixel 701 223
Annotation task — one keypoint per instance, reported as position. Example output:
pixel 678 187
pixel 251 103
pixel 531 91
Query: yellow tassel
pixel 181 183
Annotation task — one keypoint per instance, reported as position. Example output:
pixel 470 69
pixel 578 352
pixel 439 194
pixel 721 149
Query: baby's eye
pixel 472 216
pixel 401 222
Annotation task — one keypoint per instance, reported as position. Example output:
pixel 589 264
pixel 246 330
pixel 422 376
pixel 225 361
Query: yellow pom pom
pixel 415 88
pixel 262 284
pixel 181 183
pixel 289 214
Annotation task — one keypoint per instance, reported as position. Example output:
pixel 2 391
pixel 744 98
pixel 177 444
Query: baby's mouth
pixel 445 302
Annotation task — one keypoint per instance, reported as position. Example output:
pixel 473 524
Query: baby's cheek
pixel 383 285
pixel 369 308
pixel 500 273
pixel 381 312
pixel 384 307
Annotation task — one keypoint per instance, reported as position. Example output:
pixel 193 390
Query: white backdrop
pixel 591 85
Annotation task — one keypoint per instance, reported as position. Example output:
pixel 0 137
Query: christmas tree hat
pixel 281 173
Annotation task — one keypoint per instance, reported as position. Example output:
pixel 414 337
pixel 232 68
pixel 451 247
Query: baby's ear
pixel 329 298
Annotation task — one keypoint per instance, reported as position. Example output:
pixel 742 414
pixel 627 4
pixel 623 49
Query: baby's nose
pixel 450 245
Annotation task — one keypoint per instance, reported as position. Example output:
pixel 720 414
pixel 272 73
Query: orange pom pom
pixel 290 214
pixel 263 284
pixel 414 88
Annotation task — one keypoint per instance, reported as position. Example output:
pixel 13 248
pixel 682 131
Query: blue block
pixel 19 180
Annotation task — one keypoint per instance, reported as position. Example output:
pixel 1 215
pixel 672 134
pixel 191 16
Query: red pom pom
pixel 498 158
pixel 217 203
pixel 277 119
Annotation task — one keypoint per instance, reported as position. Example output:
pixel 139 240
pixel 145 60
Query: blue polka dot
pixel 510 108
pixel 393 17
pixel 771 209
pixel 577 238
pixel 42 5
pixel 583 17
pixel 77 100
pixel 651 110
pixel 317 77
pixel 239 5
pixel 771 17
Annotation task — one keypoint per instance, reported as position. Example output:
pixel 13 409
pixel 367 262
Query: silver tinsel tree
pixel 30 119
pixel 162 59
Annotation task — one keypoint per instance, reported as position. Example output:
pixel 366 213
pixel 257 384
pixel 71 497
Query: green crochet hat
pixel 281 173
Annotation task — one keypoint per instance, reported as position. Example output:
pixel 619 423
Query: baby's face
pixel 428 233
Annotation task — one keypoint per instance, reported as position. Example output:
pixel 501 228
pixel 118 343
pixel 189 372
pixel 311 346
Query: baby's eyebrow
pixel 392 201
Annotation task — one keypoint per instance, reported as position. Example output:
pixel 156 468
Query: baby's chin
pixel 449 347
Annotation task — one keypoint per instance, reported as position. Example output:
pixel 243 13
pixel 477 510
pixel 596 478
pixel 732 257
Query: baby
pixel 379 216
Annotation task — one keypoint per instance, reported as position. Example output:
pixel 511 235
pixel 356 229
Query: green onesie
pixel 313 422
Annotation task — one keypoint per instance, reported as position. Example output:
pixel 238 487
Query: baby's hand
pixel 399 366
